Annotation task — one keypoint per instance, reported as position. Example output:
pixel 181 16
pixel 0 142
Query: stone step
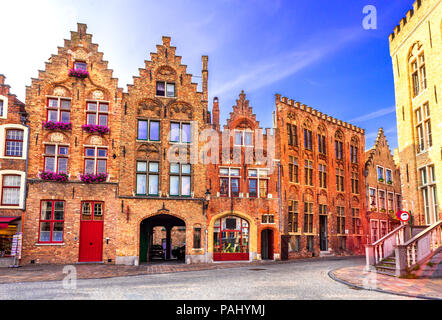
pixel 383 268
pixel 386 272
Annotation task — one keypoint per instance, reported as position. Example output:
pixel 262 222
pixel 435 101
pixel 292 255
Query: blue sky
pixel 315 52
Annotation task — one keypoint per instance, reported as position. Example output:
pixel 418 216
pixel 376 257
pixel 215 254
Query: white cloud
pixel 373 115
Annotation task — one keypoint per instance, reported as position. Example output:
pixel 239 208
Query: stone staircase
pixel 387 266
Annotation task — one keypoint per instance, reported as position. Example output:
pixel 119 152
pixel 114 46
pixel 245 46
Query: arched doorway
pixel 230 239
pixel 157 236
pixel 267 244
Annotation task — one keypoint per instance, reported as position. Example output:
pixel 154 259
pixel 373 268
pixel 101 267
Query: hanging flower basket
pixel 94 128
pixel 81 74
pixel 93 178
pixel 53 176
pixel 56 125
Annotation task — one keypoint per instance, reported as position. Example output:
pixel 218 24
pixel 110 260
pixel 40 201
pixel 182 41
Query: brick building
pixel 322 178
pixel 13 154
pixel 383 188
pixel 243 213
pixel 73 221
pixel 415 49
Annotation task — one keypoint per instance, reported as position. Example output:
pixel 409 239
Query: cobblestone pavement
pixel 428 288
pixel 47 272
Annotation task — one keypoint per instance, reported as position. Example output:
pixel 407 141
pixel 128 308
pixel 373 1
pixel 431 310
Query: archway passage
pixel 231 239
pixel 162 238
pixel 267 244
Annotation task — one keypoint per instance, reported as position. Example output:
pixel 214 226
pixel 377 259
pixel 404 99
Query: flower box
pixel 390 182
pixel 94 128
pixel 373 209
pixel 93 178
pixel 53 176
pixel 391 211
pixel 56 125
pixel 382 210
pixel 381 180
pixel 81 74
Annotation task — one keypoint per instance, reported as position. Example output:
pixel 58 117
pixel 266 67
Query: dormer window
pixel 165 89
pixel 78 65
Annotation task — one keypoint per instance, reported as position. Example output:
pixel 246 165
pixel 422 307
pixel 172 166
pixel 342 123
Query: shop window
pixel 59 110
pixel 14 142
pixel 97 113
pixel 95 161
pixel 51 221
pixel 180 179
pixel 56 158
pixel 231 235
pixel 11 190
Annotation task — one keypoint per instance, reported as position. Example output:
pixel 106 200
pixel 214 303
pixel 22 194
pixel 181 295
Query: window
pixel 423 128
pixel 79 65
pixel 374 230
pixel 56 158
pixel 147 178
pixel 354 154
pixel 338 150
pixel 339 179
pixel 97 113
pixel 293 216
pixel 231 235
pixel 322 176
pixel 307 139
pixel 92 210
pixel 398 202
pixel 323 209
pixel 418 75
pixel 229 177
pixel 340 220
pixel 372 193
pixel 59 110
pixel 390 200
pixel 149 130
pixel 243 138
pixel 380 172
pixel 51 221
pixel 268 218
pixel 308 168
pixel 354 183
pixel 415 78
pixel 257 178
pixel 1 108
pixel 382 199
pixel 292 134
pixel 197 237
pixel 14 143
pixel 321 144
pixel 165 89
pixel 429 194
pixel 95 161
pixel 309 244
pixel 356 221
pixel 180 178
pixel 11 190
pixel 293 169
pixel 308 217
pixel 389 176
pixel 180 132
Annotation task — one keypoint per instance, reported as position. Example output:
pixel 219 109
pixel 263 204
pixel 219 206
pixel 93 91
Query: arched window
pixel 339 145
pixel 354 147
pixel 418 77
pixel 308 135
pixel 322 140
pixel 231 239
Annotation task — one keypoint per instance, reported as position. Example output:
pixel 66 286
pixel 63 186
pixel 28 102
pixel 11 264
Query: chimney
pixel 215 113
pixel 205 75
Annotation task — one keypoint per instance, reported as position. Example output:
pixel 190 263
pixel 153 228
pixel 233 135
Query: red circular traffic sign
pixel 404 216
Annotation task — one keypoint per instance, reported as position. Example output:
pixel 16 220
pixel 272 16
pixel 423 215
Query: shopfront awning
pixel 4 221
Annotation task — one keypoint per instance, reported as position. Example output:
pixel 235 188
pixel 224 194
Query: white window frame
pixel 3 129
pixel 96 158
pixel 429 188
pixel 56 156
pixel 22 175
pixel 375 198
pixel 97 112
pixel 230 176
pixel 383 174
pixel 5 107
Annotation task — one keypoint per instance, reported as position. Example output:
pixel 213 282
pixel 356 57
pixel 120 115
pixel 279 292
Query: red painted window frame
pixel 52 221
pixel 219 256
pixel 58 108
pixel 6 142
pixel 56 156
pixel 3 187
pixel 95 158
pixel 239 187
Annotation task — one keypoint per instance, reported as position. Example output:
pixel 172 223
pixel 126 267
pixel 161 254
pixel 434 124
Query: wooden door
pixel 91 232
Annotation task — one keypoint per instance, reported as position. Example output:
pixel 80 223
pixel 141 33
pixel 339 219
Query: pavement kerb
pixel 332 276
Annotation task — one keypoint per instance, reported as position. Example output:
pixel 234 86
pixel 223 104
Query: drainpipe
pixel 26 175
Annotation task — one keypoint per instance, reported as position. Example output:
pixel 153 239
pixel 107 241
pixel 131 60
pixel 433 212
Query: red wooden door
pixel 91 233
